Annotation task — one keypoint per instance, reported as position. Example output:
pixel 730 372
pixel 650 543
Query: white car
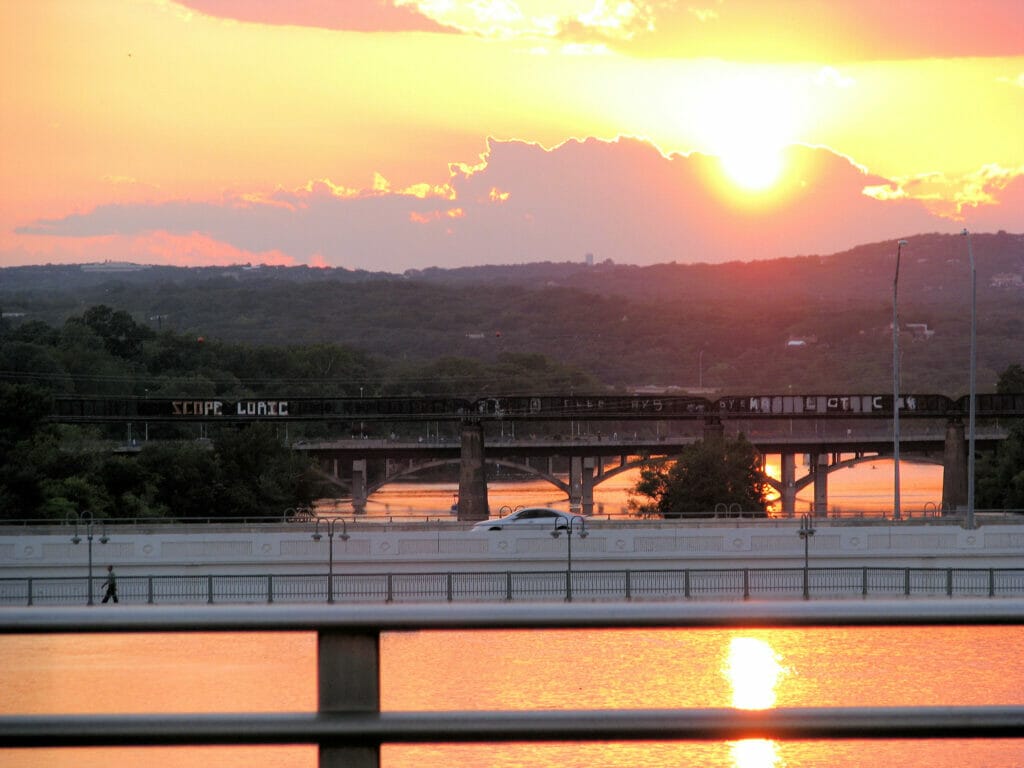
pixel 543 518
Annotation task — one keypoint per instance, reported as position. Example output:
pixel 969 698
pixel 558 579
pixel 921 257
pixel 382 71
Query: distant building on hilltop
pixel 114 266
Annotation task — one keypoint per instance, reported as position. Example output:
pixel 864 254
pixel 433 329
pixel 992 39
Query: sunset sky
pixel 403 134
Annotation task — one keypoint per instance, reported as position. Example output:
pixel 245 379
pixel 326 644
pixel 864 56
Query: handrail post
pixel 686 583
pixel 450 586
pixel 991 582
pixel 30 590
pixel 209 589
pixel 348 680
pixel 864 582
pixel 508 585
pixel 949 582
pixel 746 584
pixel 906 582
pixel 629 585
pixel 149 590
pixel 270 587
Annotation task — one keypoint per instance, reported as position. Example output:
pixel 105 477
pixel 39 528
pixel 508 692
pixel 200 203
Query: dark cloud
pixel 622 200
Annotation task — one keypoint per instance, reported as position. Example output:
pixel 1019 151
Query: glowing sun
pixel 747 120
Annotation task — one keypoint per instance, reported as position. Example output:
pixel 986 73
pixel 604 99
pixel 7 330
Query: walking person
pixel 111 585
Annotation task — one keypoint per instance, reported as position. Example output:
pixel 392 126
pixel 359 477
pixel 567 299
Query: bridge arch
pixel 415 469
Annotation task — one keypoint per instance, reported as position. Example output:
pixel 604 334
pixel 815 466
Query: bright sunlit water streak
pixel 535 670
pixel 753 670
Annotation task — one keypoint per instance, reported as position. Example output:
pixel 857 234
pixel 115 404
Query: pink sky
pixel 401 135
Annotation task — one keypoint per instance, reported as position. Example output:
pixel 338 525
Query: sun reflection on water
pixel 753 670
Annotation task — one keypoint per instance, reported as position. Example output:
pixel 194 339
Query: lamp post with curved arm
pixel 329 524
pixel 85 518
pixel 568 563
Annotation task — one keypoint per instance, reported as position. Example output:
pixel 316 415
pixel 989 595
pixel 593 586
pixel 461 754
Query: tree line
pixel 51 470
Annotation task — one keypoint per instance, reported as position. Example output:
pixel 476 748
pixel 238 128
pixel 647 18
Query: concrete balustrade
pixel 378 548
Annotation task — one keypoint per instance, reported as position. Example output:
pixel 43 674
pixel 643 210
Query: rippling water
pixel 606 669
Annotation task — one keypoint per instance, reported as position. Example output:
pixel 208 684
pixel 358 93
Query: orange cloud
pixel 950 197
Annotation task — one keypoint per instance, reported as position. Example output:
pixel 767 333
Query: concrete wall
pixel 433 547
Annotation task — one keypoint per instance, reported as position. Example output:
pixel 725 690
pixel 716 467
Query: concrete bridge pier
pixel 359 485
pixel 473 504
pixel 954 467
pixel 788 482
pixel 576 483
pixel 587 485
pixel 821 484
pixel 713 429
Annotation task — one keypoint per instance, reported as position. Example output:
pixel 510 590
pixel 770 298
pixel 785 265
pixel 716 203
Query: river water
pixel 606 669
pixel 864 489
pixel 545 670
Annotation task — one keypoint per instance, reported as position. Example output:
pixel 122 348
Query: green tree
pixel 121 335
pixel 186 478
pixel 1000 474
pixel 1011 381
pixel 705 475
pixel 261 477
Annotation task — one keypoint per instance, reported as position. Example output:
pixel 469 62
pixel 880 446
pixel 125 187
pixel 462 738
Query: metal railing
pixel 526 586
pixel 349 727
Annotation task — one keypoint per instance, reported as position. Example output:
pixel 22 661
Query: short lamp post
pixel 568 563
pixel 329 524
pixel 806 531
pixel 85 519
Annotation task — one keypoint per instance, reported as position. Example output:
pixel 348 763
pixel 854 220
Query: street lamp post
pixel 896 505
pixel 85 518
pixel 568 566
pixel 974 366
pixel 806 531
pixel 329 524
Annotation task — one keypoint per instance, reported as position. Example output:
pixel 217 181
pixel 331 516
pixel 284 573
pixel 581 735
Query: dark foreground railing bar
pixel 455 616
pixel 358 730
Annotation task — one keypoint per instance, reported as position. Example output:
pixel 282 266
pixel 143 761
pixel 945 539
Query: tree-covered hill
pixel 808 323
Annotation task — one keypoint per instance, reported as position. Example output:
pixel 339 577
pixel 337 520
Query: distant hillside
pixel 801 324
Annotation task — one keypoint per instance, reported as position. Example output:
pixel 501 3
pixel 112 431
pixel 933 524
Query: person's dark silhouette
pixel 111 585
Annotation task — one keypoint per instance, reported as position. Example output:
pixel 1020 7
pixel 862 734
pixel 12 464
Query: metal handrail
pixel 350 728
pixel 355 730
pixel 602 585
pixel 471 616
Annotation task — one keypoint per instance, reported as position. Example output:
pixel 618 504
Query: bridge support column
pixel 821 484
pixel 588 485
pixel 473 503
pixel 359 485
pixel 713 430
pixel 954 467
pixel 787 480
pixel 575 483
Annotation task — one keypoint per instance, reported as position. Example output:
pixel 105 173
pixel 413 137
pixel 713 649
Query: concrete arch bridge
pixel 577 468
